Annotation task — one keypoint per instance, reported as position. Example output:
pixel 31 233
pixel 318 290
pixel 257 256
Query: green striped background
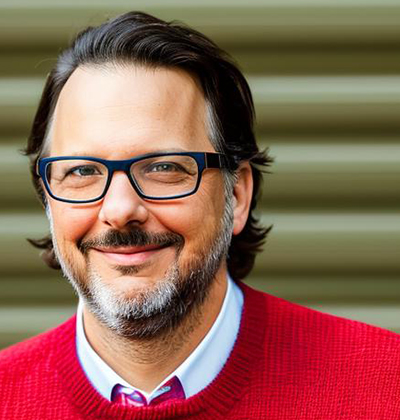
pixel 326 81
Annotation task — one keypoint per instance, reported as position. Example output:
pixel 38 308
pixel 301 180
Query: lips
pixel 132 255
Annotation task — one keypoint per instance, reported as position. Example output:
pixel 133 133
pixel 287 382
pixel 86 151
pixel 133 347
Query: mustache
pixel 132 237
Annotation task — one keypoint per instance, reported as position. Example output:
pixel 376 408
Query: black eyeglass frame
pixel 204 161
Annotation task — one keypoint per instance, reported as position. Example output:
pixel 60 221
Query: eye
pixel 165 167
pixel 83 170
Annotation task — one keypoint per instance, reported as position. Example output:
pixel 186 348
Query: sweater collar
pixel 195 373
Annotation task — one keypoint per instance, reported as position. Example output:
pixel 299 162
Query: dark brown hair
pixel 142 39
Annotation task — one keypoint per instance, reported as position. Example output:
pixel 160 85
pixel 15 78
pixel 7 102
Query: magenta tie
pixel 169 392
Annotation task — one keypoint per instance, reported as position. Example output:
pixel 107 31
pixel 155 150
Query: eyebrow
pixel 170 150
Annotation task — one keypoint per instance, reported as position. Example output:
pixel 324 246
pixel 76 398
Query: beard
pixel 160 309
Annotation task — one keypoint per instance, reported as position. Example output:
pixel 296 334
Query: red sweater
pixel 289 362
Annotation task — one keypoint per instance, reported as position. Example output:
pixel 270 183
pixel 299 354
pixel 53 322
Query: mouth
pixel 132 255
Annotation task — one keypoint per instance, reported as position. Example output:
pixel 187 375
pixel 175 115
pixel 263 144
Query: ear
pixel 242 194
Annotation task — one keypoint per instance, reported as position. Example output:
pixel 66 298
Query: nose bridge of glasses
pixel 118 166
pixel 122 166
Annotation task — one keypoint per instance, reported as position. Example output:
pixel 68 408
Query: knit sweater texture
pixel 288 362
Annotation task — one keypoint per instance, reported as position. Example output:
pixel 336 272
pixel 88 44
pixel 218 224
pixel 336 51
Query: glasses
pixel 162 176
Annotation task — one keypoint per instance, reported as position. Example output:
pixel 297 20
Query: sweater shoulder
pixel 345 366
pixel 288 319
pixel 34 350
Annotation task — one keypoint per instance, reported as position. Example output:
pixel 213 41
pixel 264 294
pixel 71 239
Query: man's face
pixel 119 113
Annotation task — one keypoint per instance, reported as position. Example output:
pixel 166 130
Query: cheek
pixel 197 219
pixel 71 224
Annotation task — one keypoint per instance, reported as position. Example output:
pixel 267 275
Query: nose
pixel 121 205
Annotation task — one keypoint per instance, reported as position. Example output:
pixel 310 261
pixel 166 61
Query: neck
pixel 144 363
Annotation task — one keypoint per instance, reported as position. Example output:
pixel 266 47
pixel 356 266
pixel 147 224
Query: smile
pixel 130 255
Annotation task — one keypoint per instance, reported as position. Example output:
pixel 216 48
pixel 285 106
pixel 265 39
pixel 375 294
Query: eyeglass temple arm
pixel 217 160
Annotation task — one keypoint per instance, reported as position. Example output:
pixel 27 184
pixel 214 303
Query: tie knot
pixel 171 391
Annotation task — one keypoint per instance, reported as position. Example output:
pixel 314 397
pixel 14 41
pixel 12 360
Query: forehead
pixel 120 111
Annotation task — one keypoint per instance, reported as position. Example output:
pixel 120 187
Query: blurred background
pixel 325 75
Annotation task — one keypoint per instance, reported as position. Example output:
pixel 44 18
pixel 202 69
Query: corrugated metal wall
pixel 326 81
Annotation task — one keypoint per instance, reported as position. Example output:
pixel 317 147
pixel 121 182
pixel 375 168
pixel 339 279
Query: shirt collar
pixel 195 373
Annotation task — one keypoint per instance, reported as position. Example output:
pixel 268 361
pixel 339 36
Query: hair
pixel 141 39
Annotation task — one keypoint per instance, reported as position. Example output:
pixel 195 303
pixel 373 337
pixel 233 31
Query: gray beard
pixel 160 310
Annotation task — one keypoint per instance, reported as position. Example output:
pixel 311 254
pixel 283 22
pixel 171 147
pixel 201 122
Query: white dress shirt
pixel 195 373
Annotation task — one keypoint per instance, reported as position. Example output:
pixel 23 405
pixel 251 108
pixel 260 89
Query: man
pixel 143 154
